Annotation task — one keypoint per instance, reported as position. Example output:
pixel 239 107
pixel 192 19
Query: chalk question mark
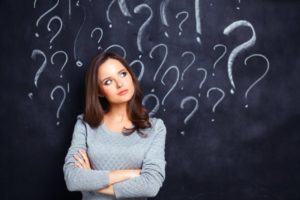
pixel 204 77
pixel 58 87
pixel 156 107
pixel 165 47
pixel 44 14
pixel 123 7
pixel 140 76
pixel 59 29
pixel 34 54
pixel 198 20
pixel 141 31
pixel 219 100
pixel 100 37
pixel 78 62
pixel 184 101
pixel 163 15
pixel 190 64
pixel 183 20
pixel 222 55
pixel 239 49
pixel 238 6
pixel 261 77
pixel 65 62
pixel 119 47
pixel 174 84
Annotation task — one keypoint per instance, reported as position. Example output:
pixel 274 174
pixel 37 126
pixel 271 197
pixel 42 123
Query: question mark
pixel 58 31
pixel 175 83
pixel 142 68
pixel 101 35
pixel 190 64
pixel 182 21
pixel 219 100
pixel 43 15
pixel 183 102
pixel 223 54
pixel 78 62
pixel 163 16
pixel 108 12
pixel 118 46
pixel 34 54
pixel 261 77
pixel 238 6
pixel 239 49
pixel 198 19
pixel 165 47
pixel 204 77
pixel 156 107
pixel 141 31
pixel 62 101
pixel 123 7
pixel 66 59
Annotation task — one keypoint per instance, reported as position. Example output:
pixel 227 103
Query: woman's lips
pixel 123 92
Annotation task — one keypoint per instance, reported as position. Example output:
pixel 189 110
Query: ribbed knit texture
pixel 110 150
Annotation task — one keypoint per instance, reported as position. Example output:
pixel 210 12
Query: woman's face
pixel 115 82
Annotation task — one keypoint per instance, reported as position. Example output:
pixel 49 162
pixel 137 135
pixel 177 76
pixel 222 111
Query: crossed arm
pixel 83 162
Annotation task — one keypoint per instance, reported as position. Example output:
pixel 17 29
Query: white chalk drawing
pixel 183 20
pixel 34 54
pixel 58 87
pixel 219 100
pixel 198 19
pixel 163 54
pixel 65 62
pixel 165 47
pixel 108 12
pixel 240 48
pixel 262 76
pixel 175 83
pixel 162 11
pixel 190 64
pixel 141 31
pixel 78 62
pixel 119 47
pixel 140 76
pixel 59 29
pixel 156 107
pixel 204 77
pixel 221 56
pixel 123 7
pixel 100 35
pixel 184 101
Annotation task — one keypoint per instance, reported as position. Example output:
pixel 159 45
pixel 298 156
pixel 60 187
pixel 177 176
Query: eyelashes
pixel 122 74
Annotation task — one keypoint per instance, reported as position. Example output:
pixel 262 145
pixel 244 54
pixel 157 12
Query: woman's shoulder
pixel 157 125
pixel 154 121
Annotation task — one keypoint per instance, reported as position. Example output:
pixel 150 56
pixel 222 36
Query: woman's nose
pixel 119 83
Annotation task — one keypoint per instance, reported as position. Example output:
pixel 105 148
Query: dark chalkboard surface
pixel 223 75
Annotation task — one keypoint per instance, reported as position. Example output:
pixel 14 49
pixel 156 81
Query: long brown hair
pixel 95 106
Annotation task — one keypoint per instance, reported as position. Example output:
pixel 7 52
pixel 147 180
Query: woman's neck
pixel 118 113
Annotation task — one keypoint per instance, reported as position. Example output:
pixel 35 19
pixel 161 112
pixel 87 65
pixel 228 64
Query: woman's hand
pixel 82 160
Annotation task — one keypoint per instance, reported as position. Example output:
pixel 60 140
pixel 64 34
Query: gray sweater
pixel 110 150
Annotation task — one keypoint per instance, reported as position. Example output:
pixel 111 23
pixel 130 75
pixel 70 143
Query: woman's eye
pixel 107 82
pixel 123 74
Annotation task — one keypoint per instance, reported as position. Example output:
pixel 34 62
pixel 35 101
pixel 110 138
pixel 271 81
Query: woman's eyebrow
pixel 110 76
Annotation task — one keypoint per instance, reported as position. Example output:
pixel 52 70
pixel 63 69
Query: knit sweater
pixel 108 150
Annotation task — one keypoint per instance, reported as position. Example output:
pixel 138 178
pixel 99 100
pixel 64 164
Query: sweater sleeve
pixel 78 179
pixel 153 170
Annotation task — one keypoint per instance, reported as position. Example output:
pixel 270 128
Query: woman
pixel 117 151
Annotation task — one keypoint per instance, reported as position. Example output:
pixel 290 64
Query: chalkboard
pixel 223 75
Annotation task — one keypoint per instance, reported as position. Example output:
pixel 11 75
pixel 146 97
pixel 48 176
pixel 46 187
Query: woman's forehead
pixel 110 67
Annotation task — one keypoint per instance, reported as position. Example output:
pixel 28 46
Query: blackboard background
pixel 245 153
